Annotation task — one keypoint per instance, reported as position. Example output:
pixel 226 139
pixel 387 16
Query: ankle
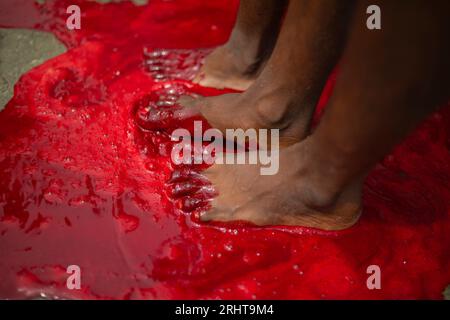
pixel 273 108
pixel 278 106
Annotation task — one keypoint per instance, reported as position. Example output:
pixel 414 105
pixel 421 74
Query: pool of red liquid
pixel 82 184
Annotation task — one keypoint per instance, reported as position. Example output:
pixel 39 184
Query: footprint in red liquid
pixel 178 64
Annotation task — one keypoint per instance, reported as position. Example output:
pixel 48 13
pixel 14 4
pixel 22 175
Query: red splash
pixel 81 184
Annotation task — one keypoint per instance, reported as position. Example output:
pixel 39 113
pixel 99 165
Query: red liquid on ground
pixel 81 183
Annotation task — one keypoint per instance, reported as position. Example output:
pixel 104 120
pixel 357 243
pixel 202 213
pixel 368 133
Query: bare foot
pixel 275 108
pixel 227 68
pixel 301 193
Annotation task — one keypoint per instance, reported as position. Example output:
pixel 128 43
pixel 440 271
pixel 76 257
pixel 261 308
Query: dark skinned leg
pixel 389 81
pixel 237 63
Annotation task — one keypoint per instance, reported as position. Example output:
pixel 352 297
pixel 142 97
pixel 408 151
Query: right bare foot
pixel 228 67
